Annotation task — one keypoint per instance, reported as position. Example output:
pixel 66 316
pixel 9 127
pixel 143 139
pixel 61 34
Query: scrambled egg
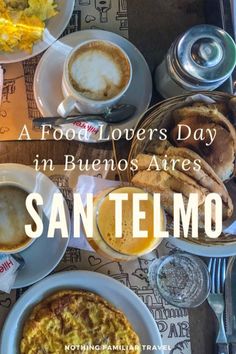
pixel 22 23
pixel 77 318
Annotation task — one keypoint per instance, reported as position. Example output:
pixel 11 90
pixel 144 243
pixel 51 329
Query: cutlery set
pixel 230 296
pixel 222 299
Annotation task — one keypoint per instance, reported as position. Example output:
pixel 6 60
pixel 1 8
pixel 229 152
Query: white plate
pixel 113 291
pixel 45 253
pixel 226 250
pixel 54 28
pixel 48 76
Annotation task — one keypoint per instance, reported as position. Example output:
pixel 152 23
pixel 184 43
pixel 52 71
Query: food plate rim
pixel 17 167
pixel 41 291
pixel 42 49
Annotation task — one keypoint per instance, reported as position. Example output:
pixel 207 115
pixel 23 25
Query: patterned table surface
pixel 172 322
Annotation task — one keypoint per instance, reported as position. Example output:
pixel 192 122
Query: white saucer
pixel 112 290
pixel 54 28
pixel 45 253
pixel 48 75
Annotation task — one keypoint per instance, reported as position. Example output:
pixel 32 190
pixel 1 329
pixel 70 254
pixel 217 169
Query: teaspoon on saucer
pixel 20 260
pixel 114 115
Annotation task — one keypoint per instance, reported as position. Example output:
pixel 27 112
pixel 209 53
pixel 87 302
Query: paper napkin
pixel 88 184
pixel 8 272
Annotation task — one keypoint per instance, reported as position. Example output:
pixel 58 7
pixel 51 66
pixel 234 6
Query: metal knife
pixel 230 301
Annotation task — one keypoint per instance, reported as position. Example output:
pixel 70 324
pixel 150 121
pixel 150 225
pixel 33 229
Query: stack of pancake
pixel 216 159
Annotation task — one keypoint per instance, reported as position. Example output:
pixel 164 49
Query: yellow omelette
pixel 22 23
pixel 77 318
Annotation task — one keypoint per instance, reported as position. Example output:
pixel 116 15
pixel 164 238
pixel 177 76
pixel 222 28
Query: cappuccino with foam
pixel 13 218
pixel 99 70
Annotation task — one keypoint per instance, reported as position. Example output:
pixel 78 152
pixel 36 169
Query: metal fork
pixel 217 270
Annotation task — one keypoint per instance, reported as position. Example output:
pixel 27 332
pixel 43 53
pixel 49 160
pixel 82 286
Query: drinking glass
pixel 181 279
pixel 111 250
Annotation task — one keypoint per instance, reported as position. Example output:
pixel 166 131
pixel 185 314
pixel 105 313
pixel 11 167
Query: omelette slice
pixel 42 9
pixel 75 318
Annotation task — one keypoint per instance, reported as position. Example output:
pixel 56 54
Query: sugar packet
pixel 9 266
pixel 92 131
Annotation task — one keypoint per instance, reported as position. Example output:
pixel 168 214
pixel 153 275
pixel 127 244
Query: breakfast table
pixel 151 25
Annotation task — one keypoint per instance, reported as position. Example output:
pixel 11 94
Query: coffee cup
pixel 13 218
pixel 96 74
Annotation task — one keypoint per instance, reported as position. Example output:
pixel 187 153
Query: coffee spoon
pixel 19 259
pixel 113 115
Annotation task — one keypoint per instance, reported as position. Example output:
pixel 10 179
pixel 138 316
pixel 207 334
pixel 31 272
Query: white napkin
pixel 88 184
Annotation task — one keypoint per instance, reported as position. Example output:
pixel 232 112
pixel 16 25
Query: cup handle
pixel 66 106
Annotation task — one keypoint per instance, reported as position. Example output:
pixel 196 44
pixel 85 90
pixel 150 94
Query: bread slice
pixel 220 106
pixel 165 184
pixel 209 114
pixel 220 154
pixel 158 148
pixel 205 176
pixel 157 183
pixel 201 181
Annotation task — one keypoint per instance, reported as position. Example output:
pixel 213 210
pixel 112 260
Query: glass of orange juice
pixel 127 247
